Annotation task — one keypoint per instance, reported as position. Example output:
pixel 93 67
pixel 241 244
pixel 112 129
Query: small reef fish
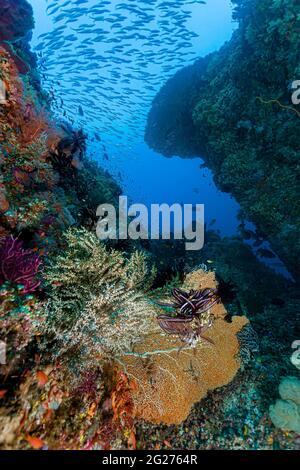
pixel 114 57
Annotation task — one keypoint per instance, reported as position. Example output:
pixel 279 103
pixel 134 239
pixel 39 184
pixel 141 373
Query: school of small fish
pixel 105 60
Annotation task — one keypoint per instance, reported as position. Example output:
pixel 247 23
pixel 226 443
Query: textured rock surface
pixel 16 19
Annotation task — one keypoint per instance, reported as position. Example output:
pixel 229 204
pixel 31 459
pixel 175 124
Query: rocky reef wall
pixel 234 109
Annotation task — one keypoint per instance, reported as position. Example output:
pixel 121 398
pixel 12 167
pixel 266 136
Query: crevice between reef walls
pixel 234 109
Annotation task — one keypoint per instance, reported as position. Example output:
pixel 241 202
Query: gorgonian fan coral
pixel 19 266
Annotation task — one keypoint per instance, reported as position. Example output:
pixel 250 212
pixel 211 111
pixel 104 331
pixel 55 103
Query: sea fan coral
pixel 168 383
pixel 19 266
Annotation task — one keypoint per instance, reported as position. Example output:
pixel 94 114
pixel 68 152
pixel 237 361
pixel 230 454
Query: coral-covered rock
pixel 169 382
pixel 289 389
pixel 19 266
pixel 16 19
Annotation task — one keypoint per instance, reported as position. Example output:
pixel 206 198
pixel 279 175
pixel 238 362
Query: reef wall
pixel 234 109
pixel 47 183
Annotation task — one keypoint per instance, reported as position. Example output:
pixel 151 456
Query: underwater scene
pixel 149 225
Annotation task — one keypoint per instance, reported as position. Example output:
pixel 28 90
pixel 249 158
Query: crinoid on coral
pixel 97 310
pixel 70 150
pixel 19 309
pixel 169 382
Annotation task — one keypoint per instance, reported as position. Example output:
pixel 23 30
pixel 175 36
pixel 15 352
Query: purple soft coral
pixel 17 265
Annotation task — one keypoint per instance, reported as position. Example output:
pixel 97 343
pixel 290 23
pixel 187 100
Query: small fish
pixel 35 442
pixel 42 378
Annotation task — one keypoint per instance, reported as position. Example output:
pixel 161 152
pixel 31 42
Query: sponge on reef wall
pixel 285 414
pixel 168 382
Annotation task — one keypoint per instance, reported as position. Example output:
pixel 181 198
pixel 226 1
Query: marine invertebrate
pixel 88 384
pixel 19 266
pixel 4 204
pixel 168 383
pixel 285 414
pixel 70 150
pixel 94 310
pixel 273 101
pixel 183 328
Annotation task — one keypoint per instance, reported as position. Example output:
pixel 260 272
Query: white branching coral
pixel 140 274
pixel 98 310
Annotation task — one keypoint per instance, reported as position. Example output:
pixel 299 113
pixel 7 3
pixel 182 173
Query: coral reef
pixel 35 194
pixel 39 200
pixel 238 415
pixel 169 382
pixel 88 364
